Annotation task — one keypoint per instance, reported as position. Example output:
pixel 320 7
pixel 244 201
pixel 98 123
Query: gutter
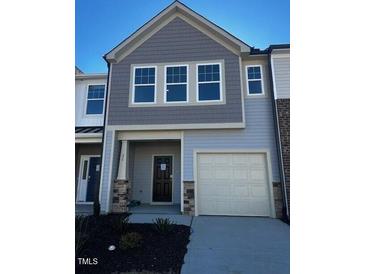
pixel 97 186
pixel 277 138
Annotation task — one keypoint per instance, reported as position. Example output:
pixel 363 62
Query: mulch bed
pixel 157 254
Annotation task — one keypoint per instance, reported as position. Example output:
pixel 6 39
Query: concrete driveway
pixel 233 245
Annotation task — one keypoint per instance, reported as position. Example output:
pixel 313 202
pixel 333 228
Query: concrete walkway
pixel 233 245
pixel 148 218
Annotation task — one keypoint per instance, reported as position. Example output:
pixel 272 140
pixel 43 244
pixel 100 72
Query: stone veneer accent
pixel 189 200
pixel 278 199
pixel 120 196
pixel 283 109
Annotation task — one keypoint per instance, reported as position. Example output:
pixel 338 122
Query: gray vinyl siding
pixel 141 178
pixel 105 178
pixel 178 41
pixel 282 77
pixel 259 133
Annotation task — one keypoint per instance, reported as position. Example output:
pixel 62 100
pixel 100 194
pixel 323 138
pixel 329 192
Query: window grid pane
pixel 254 73
pixel 144 76
pixel 176 74
pixel 208 73
pixel 96 92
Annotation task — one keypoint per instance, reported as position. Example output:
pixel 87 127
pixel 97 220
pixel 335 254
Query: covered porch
pixel 148 177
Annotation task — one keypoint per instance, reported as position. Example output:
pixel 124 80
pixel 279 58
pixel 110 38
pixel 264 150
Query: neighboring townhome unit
pixel 280 68
pixel 90 90
pixel 190 122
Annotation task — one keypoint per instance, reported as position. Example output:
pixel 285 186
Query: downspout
pixel 278 142
pixel 97 185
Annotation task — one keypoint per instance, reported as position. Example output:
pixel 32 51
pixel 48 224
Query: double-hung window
pixel 176 84
pixel 95 99
pixel 209 82
pixel 144 85
pixel 255 84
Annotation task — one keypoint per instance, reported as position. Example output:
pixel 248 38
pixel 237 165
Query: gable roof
pixel 165 16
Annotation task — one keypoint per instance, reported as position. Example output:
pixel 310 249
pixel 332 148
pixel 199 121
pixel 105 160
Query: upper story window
pixel 144 87
pixel 209 83
pixel 255 85
pixel 95 99
pixel 176 85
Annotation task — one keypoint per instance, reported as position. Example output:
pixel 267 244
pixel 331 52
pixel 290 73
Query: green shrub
pixel 120 225
pixel 130 240
pixel 163 225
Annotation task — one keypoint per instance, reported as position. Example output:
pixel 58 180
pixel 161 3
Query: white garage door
pixel 233 184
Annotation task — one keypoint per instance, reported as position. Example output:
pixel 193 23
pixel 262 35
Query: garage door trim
pixel 235 151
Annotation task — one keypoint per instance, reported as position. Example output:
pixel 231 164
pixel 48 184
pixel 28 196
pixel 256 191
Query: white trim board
pixel 182 172
pixel 238 151
pixel 88 140
pixel 176 126
pixel 149 135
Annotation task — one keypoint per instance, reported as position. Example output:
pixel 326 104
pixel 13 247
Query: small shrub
pixel 163 225
pixel 121 225
pixel 130 240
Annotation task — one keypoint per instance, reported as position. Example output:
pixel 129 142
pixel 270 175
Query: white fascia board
pixel 88 137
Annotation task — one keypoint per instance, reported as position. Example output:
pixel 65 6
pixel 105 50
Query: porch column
pixel 123 161
pixel 121 184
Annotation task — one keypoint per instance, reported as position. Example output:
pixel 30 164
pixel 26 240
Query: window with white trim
pixel 144 85
pixel 209 82
pixel 95 99
pixel 254 80
pixel 176 83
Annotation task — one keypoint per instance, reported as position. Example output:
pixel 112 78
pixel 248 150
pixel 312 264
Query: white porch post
pixel 123 161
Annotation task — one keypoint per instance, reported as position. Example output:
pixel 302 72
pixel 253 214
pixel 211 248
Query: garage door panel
pixel 239 192
pixel 240 173
pixel 233 184
pixel 257 174
pixel 258 191
pixel 206 172
pixel 222 172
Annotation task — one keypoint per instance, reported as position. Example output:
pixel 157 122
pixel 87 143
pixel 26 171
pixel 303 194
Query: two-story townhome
pixel 89 120
pixel 190 122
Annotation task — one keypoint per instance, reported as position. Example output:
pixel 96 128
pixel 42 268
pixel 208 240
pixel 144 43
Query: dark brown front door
pixel 162 179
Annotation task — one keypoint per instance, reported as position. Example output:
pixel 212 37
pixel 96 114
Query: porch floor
pixel 84 209
pixel 155 209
